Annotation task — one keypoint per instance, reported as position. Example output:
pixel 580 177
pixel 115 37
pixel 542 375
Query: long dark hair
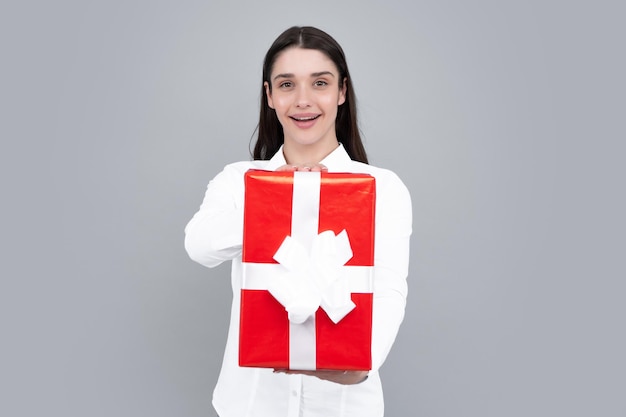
pixel 270 131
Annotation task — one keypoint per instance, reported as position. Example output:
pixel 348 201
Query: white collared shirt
pixel 214 235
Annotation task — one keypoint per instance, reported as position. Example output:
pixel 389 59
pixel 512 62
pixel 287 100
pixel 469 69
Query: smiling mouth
pixel 304 119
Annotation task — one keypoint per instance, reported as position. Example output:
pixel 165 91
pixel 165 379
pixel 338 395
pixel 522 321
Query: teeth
pixel 304 119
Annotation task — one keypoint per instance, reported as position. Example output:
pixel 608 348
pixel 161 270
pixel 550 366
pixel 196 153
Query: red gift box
pixel 308 242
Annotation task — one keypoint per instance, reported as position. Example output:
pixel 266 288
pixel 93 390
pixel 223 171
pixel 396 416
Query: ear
pixel 268 93
pixel 342 92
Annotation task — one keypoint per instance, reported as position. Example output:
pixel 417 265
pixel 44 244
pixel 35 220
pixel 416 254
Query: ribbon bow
pixel 314 279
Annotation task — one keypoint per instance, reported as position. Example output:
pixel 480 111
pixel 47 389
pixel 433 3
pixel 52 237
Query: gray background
pixel 505 119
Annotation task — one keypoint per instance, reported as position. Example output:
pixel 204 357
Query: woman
pixel 307 123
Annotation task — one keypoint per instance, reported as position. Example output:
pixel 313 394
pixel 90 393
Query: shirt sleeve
pixel 391 260
pixel 214 234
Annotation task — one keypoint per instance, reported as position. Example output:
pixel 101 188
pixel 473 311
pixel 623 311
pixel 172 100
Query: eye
pixel 320 83
pixel 286 84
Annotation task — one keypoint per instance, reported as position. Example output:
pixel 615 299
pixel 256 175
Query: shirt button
pixel 294 393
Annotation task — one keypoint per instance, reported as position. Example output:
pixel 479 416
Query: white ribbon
pixel 314 279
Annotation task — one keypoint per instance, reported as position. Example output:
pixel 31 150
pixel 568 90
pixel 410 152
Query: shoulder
pixel 246 165
pixel 238 169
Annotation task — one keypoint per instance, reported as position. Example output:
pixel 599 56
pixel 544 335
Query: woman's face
pixel 305 94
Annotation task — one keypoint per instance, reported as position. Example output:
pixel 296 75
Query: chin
pixel 305 140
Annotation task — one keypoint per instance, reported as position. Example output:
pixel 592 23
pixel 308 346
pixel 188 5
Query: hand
pixel 303 167
pixel 339 377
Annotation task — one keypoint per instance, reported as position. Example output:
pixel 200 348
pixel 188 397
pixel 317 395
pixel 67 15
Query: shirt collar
pixel 338 160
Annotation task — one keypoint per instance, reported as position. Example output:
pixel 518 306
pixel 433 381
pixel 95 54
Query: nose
pixel 303 98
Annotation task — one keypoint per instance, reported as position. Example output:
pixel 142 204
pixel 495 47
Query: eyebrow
pixel 313 74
